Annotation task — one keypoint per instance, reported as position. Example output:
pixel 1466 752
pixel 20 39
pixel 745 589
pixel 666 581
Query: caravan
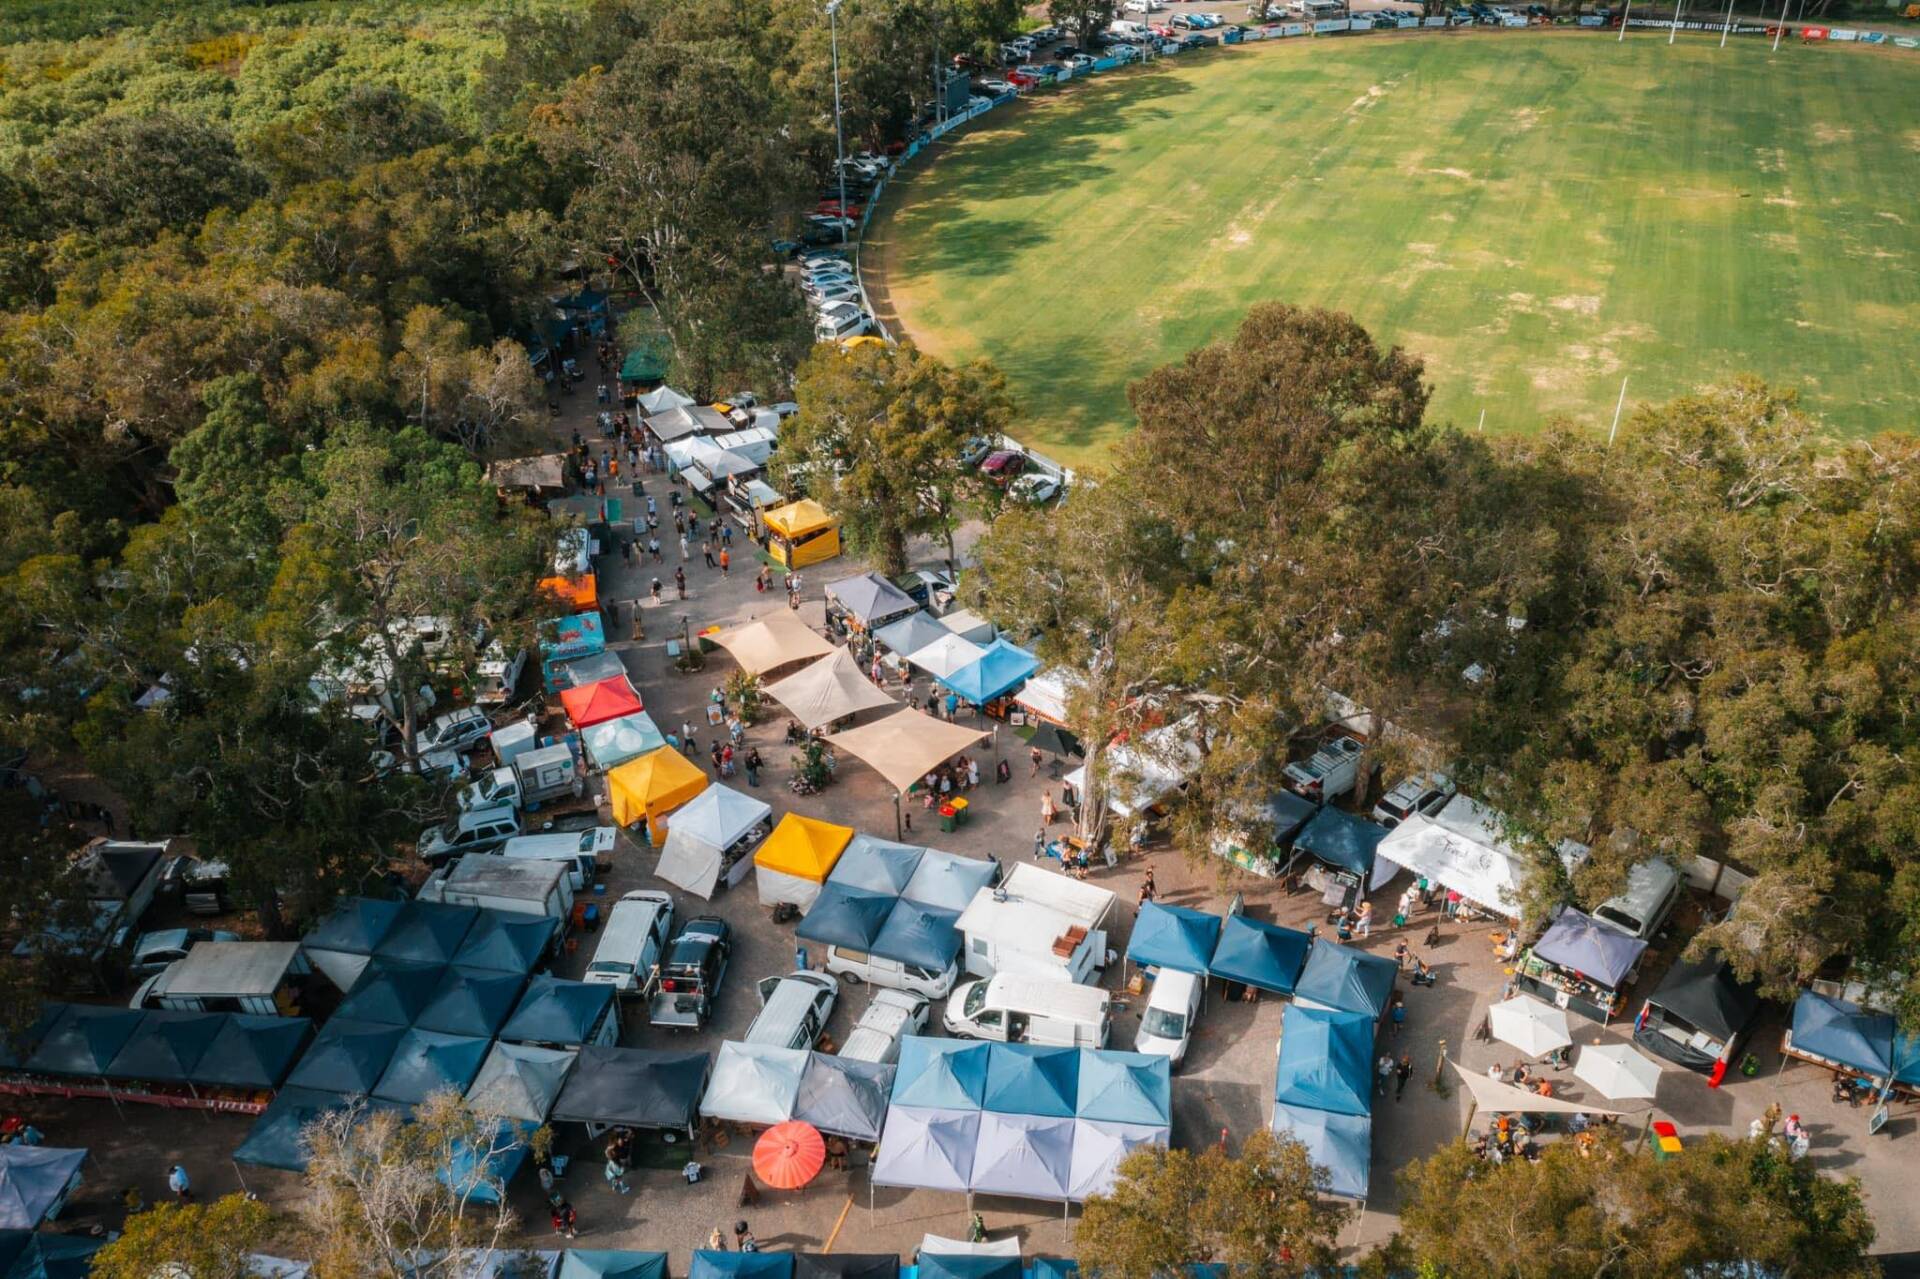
pixel 1029 1010
pixel 1037 923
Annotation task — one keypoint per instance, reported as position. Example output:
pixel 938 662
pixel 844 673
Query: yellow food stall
pixel 802 533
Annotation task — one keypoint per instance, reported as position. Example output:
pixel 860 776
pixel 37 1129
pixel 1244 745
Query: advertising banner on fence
pixel 1327 26
pixel 1813 33
pixel 1435 22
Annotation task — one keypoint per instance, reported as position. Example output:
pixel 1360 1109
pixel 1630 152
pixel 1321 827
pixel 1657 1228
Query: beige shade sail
pixel 904 748
pixel 773 641
pixel 827 690
pixel 1489 1094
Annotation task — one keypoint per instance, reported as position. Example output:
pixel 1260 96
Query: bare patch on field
pixel 1785 199
pixel 1525 118
pixel 1784 241
pixel 1578 303
pixel 1890 216
pixel 1828 134
pixel 1770 159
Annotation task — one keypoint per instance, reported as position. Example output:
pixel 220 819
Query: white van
pixel 793 1010
pixel 1128 29
pixel 856 966
pixel 581 850
pixel 632 940
pixel 891 1017
pixel 1015 1009
pixel 841 321
pixel 1653 890
pixel 1166 1024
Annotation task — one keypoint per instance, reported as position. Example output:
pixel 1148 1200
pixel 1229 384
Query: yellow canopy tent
pixel 802 533
pixel 797 858
pixel 652 785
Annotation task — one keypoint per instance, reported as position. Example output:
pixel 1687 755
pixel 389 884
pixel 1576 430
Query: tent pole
pixel 241 1178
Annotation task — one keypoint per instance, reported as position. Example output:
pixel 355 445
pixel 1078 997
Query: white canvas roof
pixel 829 689
pixel 754 1083
pixel 1045 694
pixel 772 641
pixel 701 831
pixel 969 625
pixel 945 656
pixel 1028 912
pixel 662 398
pixel 1461 848
pixel 905 746
pixel 231 968
pixel 1139 778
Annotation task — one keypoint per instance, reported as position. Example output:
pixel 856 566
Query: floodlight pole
pixel 1782 28
pixel 839 143
pixel 1726 27
pixel 1624 15
pixel 1615 428
pixel 1678 7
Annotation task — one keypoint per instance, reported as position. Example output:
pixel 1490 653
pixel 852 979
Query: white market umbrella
pixel 1536 1029
pixel 1617 1071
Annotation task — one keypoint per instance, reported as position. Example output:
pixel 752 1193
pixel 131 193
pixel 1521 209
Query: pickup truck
pixel 891 1017
pixel 691 974
pixel 533 777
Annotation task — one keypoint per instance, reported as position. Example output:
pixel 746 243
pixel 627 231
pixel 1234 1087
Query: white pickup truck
pixel 891 1017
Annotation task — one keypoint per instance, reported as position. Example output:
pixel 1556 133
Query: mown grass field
pixel 1535 214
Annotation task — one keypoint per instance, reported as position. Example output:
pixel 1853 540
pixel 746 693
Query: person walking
pixel 1040 844
pixel 743 1240
pixel 717 1241
pixel 1047 810
pixel 1384 1069
pixel 753 766
pixel 1363 926
pixel 1398 1014
pixel 1402 1071
pixel 1148 888
pixel 686 550
pixel 653 549
pixel 1400 952
pixel 180 1184
pixel 726 561
pixel 616 1173
pixel 565 1220
pixel 1033 758
pixel 680 575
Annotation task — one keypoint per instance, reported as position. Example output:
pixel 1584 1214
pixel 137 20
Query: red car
pixel 831 208
pixel 1002 467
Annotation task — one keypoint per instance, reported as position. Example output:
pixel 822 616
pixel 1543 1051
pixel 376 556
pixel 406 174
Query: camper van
pixel 583 851
pixel 1038 923
pixel 1653 889
pixel 632 940
pixel 891 1017
pixel 855 966
pixel 1029 1010
pixel 793 1010
pixel 1328 773
pixel 1166 1024
pixel 533 777
pixel 543 889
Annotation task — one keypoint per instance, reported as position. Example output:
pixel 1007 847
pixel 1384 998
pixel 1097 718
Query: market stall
pixel 505 942
pixel 1343 850
pixel 833 688
pixel 754 1084
pixel 1696 1015
pixel 801 533
pixel 35 1182
pixel 346 1058
pixel 633 1086
pixel 558 1013
pixel 590 704
pixel 1173 937
pixel 1854 1041
pixel 1461 847
pixel 426 1062
pixel 472 1003
pixel 709 841
pixel 341 944
pixel 905 746
pixel 768 643
pixel 944 655
pixel 1580 965
pixel 796 859
pixel 651 786
pixel 910 634
pixel 1263 956
pixel 1343 979
pixel 520 1081
pixel 866 602
pixel 613 742
pixel 568 639
pixel 1260 839
pixel 604 1263
pixel 1000 669
pixel 575 594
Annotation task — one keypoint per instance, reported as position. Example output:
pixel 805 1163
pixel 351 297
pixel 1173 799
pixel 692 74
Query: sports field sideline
pixel 1536 214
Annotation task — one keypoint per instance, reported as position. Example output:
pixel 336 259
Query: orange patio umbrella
pixel 789 1155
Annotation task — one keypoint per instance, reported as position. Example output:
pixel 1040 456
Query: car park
pixel 154 951
pixel 793 1010
pixel 692 974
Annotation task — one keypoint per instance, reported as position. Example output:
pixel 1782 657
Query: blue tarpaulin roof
pixel 357 926
pixel 1579 943
pixel 846 1265
pixel 947 881
pixel 472 1003
pixel 1341 840
pixel 968 1267
pixel 274 1141
pixel 1843 1032
pixel 1000 669
pixel 428 932
pixel 876 865
pixel 1173 937
pixel 167 1046
pixel 505 943
pixel 557 1011
pixel 741 1265
pixel 1024 1079
pixel 15 1049
pixel 1346 979
pixel 426 1062
pixel 391 992
pixel 611 1263
pixel 84 1040
pixel 1342 1144
pixel 501 1165
pixel 923 936
pixel 1265 956
pixel 346 1057
pixel 33 1180
pixel 253 1051
pixel 1053 1268
pixel 1906 1059
pixel 56 1257
pixel 946 1073
pixel 1325 1061
pixel 1125 1088
pixel 842 916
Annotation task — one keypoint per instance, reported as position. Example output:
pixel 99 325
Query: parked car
pixel 1066 53
pixel 1195 42
pixel 692 973
pixel 1423 793
pixel 479 830
pixel 1166 1023
pixel 458 730
pixel 976 451
pixel 826 283
pixel 1003 466
pixel 1328 773
pixel 632 941
pixel 834 326
pixel 793 1010
pixel 1036 487
pixel 1080 62
pixel 993 88
pixel 154 951
pixel 832 296
pixel 925 586
pixel 1145 6
pixel 891 1017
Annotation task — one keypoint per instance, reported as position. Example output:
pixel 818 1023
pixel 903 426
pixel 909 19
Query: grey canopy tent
pixel 253 1051
pixel 718 821
pixel 843 1096
pixel 911 633
pixel 876 865
pixel 340 943
pixel 425 1062
pixel 1343 979
pixel 846 1265
pixel 506 943
pixel 1579 943
pixel 754 1083
pixel 167 1046
pixel 84 1040
pixel 869 600
pixel 472 1003
pixel 277 1139
pixel 559 1012
pixel 34 1181
pixel 633 1086
pixel 428 932
pixel 346 1057
pixel 591 669
pixel 392 992
pixel 520 1081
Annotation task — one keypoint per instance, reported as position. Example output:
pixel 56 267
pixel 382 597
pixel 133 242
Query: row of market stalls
pixel 760 1085
pixel 1015 1119
pixel 899 902
pixel 34 1254
pixel 219 1061
pixel 936 1258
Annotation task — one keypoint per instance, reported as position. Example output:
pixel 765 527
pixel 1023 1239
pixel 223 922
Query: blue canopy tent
pixel 1024 1079
pixel 559 1012
pixel 15 1049
pixel 1837 1031
pixel 956 1266
pixel 948 882
pixel 356 926
pixel 846 1265
pixel 1053 1268
pixel 876 865
pixel 1342 1144
pixel 1325 1061
pixel 167 1046
pixel 346 1057
pixel 923 936
pixel 392 992
pixel 253 1051
pixel 48 1256
pixel 505 943
pixel 1000 669
pixel 428 932
pixel 842 916
pixel 1288 813
pixel 1579 943
pixel 425 1062
pixel 1906 1060
pixel 740 1265
pixel 275 1141
pixel 1126 1088
pixel 1173 937
pixel 945 1073
pixel 472 1003
pixel 1264 956
pixel 84 1040
pixel 501 1164
pixel 1341 840
pixel 35 1182
pixel 1346 980
pixel 611 1263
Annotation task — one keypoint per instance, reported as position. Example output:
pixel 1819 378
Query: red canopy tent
pixel 592 704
